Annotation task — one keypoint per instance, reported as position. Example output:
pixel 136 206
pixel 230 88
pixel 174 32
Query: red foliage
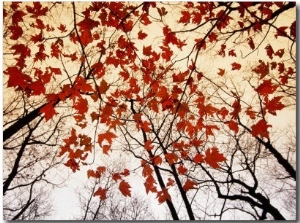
pixel 260 129
pixel 124 187
pixel 213 157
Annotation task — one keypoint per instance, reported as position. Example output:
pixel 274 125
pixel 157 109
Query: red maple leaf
pixel 266 88
pixel 189 184
pixel 198 158
pixel 233 126
pixel 281 31
pixel 17 78
pixel 21 49
pixel 171 158
pixel 17 16
pixel 72 164
pixel 16 32
pixel 147 170
pixel 250 113
pixel 124 187
pixel 87 24
pixel 251 43
pixel 232 53
pixel 167 53
pixel 142 35
pixel 37 38
pixel 40 55
pixel 262 69
pixel 182 170
pixel 170 182
pixel 37 10
pixel 236 66
pixel 157 160
pixel 62 28
pixel 101 193
pixel 147 51
pixel 82 85
pixel 270 51
pixel 81 105
pixel 54 70
pixel 148 145
pixel 127 26
pixel 98 69
pixel 221 72
pixel 48 111
pixel 273 105
pixel 37 87
pixel 92 173
pixel 86 37
pixel 279 53
pixel 108 136
pixel 185 18
pixel 55 50
pixel 260 128
pixel 149 185
pixel 212 37
pixel 293 30
pixel 213 157
pixel 163 195
pixel 236 109
pixel 116 176
pixel 223 112
pixel 145 19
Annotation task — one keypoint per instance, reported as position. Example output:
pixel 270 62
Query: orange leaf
pixel 124 187
pixel 212 157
